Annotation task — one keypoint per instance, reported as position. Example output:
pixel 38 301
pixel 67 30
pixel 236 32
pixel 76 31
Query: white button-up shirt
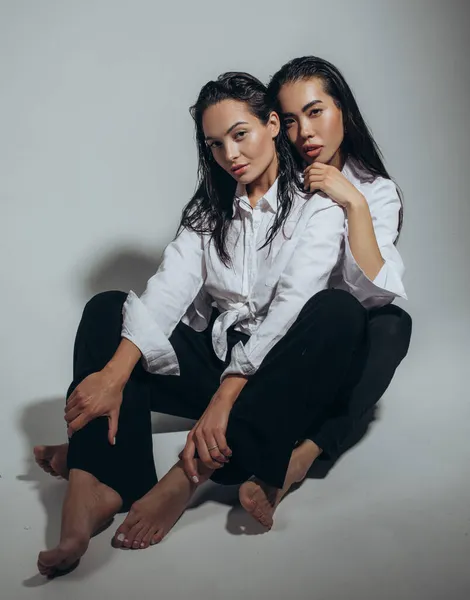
pixel 261 293
pixel 384 206
pixel 264 290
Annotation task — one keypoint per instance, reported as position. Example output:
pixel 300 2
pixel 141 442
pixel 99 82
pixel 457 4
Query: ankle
pixel 303 458
pixel 74 536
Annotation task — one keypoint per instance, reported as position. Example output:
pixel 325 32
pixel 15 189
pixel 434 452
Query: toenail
pixel 142 545
pixel 120 537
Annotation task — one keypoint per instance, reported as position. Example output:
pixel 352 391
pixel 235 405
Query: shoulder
pixel 377 190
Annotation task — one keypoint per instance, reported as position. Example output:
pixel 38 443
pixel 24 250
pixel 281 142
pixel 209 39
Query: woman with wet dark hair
pixel 339 158
pixel 237 329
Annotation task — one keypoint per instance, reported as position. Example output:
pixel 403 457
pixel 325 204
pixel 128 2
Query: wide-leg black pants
pixel 319 360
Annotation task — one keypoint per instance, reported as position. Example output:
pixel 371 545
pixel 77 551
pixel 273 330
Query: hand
pixel 331 182
pixel 208 436
pixel 97 395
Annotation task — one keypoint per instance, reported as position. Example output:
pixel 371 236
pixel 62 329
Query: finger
pixel 71 415
pixel 213 447
pixel 316 177
pixel 189 462
pixel 71 400
pixel 113 420
pixel 314 187
pixel 221 442
pixel 203 452
pixel 78 424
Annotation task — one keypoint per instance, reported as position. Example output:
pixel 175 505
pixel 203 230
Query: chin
pixel 245 179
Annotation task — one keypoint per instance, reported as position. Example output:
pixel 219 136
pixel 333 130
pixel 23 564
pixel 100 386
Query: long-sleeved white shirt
pixel 261 293
pixel 384 205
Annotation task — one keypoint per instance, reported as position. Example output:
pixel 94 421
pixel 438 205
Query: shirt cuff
pixel 240 364
pixel 386 284
pixel 158 355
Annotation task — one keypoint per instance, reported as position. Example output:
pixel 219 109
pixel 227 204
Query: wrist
pixel 115 374
pixel 230 389
pixel 356 202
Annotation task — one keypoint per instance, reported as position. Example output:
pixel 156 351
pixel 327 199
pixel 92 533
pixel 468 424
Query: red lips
pixel 311 147
pixel 237 168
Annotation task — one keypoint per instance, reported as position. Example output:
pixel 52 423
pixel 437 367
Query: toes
pixel 142 539
pixel 48 561
pixel 130 538
pixel 39 452
pixel 152 537
pixel 44 569
pixel 258 515
pixel 266 521
pixel 55 465
pixel 157 538
pixel 123 531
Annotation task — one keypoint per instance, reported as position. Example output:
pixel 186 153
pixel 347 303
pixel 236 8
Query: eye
pixel 213 145
pixel 240 135
pixel 315 112
pixel 288 122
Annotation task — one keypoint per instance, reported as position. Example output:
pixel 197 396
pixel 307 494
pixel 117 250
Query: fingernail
pixel 114 440
pixel 195 479
pixel 121 537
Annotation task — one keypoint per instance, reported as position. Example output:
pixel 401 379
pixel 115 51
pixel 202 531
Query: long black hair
pixel 358 142
pixel 210 210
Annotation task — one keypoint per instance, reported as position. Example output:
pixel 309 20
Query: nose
pixel 306 130
pixel 232 152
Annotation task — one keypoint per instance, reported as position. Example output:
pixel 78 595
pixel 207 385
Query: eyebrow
pixel 304 108
pixel 230 128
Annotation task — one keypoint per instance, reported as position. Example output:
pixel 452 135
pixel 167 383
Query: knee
pixel 395 327
pixel 340 310
pixel 105 303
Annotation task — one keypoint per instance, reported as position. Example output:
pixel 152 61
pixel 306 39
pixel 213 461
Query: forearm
pixel 362 240
pixel 230 388
pixel 121 365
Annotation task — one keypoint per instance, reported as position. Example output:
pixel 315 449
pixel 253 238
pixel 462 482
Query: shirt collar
pixel 269 198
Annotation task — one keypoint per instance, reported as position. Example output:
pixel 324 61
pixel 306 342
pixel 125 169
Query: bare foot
pixel 53 459
pixel 88 506
pixel 261 500
pixel 152 517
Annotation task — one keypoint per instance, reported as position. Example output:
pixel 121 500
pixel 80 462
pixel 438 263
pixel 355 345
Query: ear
pixel 274 124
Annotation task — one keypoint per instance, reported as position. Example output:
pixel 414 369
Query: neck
pixel 258 188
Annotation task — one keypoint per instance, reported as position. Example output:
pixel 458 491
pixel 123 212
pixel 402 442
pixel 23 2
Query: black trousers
pixel 389 335
pixel 318 360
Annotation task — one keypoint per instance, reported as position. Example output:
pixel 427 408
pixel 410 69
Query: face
pixel 314 122
pixel 240 143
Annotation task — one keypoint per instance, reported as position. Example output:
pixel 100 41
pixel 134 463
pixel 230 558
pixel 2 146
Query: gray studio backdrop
pixel 97 158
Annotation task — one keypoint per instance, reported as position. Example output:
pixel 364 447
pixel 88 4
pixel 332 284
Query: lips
pixel 312 149
pixel 238 169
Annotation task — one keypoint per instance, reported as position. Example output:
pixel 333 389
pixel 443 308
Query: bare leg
pixel 261 500
pixel 152 517
pixel 88 506
pixel 53 459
